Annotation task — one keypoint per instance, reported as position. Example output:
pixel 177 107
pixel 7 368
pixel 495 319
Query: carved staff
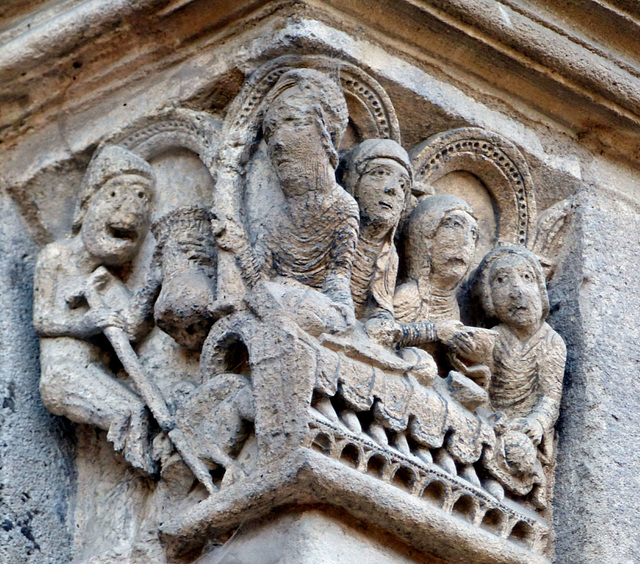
pixel 150 393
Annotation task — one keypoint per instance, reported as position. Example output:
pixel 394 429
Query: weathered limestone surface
pixel 37 474
pixel 258 229
pixel 596 488
pixel 312 536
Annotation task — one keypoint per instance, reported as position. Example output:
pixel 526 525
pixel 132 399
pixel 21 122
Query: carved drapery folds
pixel 314 292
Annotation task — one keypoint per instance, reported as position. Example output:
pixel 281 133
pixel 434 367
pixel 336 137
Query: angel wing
pixel 550 235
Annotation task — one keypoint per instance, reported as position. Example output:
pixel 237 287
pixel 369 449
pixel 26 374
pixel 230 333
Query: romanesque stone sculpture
pixel 440 238
pixel 186 252
pixel 378 175
pixel 527 368
pixel 439 243
pixel 292 343
pixel 312 239
pixel 111 222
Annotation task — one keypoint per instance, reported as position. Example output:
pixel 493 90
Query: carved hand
pixel 447 330
pixel 473 343
pixel 348 315
pixel 530 426
pixel 383 331
pixel 101 318
pixel 99 278
pixel 230 234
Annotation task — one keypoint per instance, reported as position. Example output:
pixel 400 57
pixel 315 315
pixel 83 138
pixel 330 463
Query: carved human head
pixel 306 117
pixel 113 212
pixel 510 285
pixel 440 239
pixel 378 175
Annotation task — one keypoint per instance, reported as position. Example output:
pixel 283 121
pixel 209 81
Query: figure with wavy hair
pixel 312 239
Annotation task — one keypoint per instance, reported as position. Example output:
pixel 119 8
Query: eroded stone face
pixel 261 338
pixel 515 293
pixel 117 219
pixel 380 193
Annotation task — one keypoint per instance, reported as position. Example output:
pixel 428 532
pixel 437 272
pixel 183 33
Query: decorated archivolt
pixel 292 279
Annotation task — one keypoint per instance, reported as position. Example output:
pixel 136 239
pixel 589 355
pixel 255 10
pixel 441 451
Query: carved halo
pixel 495 161
pixel 364 95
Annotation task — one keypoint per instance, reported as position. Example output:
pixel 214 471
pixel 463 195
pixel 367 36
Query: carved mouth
pixel 123 233
pixel 385 205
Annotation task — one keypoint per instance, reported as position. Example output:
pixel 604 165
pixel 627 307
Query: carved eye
pixel 527 277
pixel 500 279
pixel 113 194
pixel 141 194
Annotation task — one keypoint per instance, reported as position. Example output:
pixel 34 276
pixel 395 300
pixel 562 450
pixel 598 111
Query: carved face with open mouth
pixel 515 292
pixel 380 192
pixel 453 246
pixel 117 219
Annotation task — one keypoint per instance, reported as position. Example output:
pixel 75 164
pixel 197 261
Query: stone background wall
pixel 597 482
pixel 37 472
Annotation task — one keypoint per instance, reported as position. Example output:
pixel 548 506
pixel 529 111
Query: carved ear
pixel 551 233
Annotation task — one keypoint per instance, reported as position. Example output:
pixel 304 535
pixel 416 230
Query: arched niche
pixel 497 164
pixel 471 189
pixel 181 146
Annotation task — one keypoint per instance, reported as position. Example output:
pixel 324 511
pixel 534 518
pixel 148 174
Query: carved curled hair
pixel 482 278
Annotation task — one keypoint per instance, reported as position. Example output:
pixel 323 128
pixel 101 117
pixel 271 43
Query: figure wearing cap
pixel 378 174
pixel 111 222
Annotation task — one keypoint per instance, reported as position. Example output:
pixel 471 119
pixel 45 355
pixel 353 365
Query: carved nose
pixel 390 187
pixel 516 290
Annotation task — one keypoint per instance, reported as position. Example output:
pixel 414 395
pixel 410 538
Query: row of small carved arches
pixel 501 160
pixel 438 492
